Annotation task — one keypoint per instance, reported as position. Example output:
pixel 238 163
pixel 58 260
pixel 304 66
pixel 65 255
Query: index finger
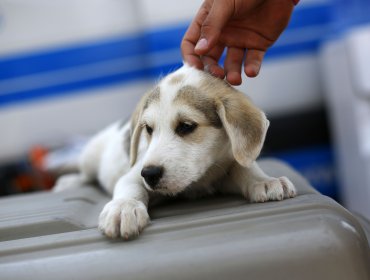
pixel 191 38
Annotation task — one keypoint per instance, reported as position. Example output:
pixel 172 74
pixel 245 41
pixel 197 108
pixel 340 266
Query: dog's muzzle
pixel 152 175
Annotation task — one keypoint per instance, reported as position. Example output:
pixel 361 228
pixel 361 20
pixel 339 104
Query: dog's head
pixel 194 122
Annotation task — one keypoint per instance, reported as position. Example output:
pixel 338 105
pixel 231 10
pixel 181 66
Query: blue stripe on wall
pixel 84 85
pixel 309 15
pixel 289 50
pixel 145 45
pixel 73 56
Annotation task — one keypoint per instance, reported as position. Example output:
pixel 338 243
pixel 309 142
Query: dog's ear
pixel 136 125
pixel 245 125
pixel 136 129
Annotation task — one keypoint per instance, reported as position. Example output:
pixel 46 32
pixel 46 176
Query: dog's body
pixel 192 135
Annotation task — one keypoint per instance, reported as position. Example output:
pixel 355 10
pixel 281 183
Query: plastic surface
pixel 54 236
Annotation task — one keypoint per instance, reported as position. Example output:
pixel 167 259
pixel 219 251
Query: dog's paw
pixel 271 189
pixel 124 218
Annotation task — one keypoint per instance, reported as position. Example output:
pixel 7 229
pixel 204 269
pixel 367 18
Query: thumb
pixel 218 16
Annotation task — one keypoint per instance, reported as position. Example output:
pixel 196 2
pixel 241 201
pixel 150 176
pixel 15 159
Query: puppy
pixel 192 135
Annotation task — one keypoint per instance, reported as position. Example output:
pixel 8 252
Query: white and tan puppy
pixel 191 135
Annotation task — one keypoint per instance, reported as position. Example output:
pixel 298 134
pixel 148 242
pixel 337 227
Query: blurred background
pixel 68 68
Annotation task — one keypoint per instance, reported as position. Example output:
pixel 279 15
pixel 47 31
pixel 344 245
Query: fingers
pixel 188 55
pixel 219 14
pixel 253 61
pixel 191 37
pixel 200 46
pixel 233 65
pixel 210 61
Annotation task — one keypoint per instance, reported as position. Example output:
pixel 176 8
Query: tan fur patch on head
pixel 198 100
pixel 198 136
pixel 176 79
pixel 152 96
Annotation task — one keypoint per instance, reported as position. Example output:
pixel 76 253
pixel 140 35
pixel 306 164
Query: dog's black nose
pixel 152 175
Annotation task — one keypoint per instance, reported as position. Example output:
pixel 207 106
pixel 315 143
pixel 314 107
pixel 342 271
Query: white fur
pixel 191 169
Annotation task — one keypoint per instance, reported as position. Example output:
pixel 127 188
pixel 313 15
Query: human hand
pixel 247 28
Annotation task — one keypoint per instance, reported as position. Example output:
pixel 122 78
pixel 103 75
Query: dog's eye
pixel 149 129
pixel 184 128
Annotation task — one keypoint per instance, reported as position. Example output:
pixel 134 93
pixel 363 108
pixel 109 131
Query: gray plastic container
pixel 54 236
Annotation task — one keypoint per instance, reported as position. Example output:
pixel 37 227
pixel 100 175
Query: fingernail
pixel 202 44
pixel 256 69
pixel 252 70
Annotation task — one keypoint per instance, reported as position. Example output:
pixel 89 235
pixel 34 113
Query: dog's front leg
pixel 257 186
pixel 126 214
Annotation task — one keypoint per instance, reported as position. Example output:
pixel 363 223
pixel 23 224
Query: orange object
pixel 24 182
pixel 37 157
pixel 42 178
